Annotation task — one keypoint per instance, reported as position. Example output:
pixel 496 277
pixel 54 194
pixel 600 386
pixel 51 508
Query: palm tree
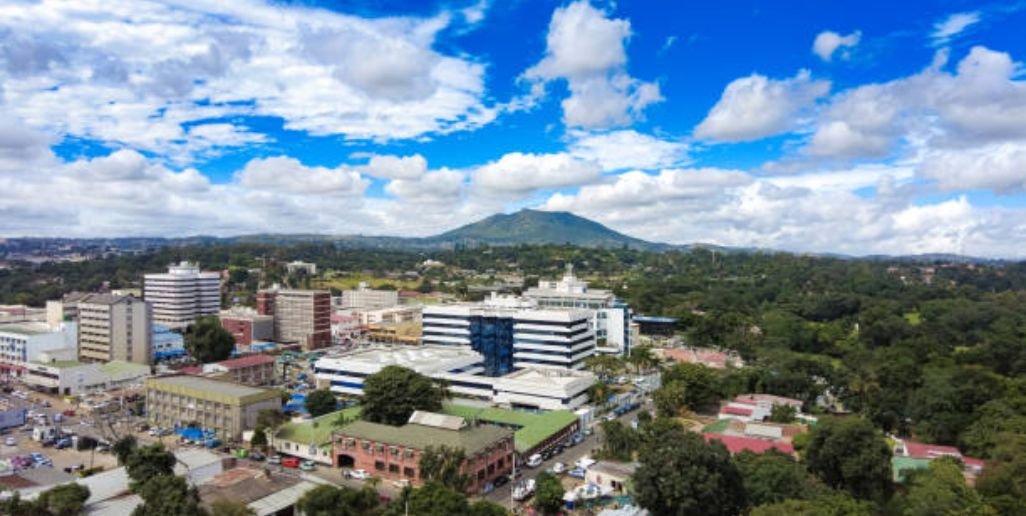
pixel 642 359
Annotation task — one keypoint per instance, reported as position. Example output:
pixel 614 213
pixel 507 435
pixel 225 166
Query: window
pixel 481 474
pixel 409 472
pixel 409 453
pixel 379 465
pixel 393 468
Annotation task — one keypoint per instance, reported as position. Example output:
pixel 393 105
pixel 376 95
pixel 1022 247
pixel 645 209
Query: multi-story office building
pixel 365 298
pixel 166 343
pixel 115 328
pixel 300 316
pixel 227 408
pixel 23 343
pixel 610 318
pixel 512 333
pixel 247 326
pixel 182 294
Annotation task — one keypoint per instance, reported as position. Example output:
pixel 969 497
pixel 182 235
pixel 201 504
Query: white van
pixel 534 460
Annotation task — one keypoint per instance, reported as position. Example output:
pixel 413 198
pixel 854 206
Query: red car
pixel 290 462
pixel 69 413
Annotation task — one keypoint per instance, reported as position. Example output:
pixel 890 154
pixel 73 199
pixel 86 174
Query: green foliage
pixel 206 341
pixel 271 418
pixel 226 507
pixel 433 499
pixel 443 465
pixel 670 399
pixel 941 489
pixel 63 500
pixel 328 500
pixel 619 441
pixel 849 454
pixel 1003 482
pixel 782 413
pixel 124 447
pixel 774 477
pixel 548 493
pixel 320 402
pixel 486 508
pixel 259 439
pixel 168 495
pixel 392 394
pixel 149 462
pixel 944 406
pixel 680 474
pixel 700 384
pixel 830 505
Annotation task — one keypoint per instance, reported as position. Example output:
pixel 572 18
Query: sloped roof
pixel 737 444
pixel 471 439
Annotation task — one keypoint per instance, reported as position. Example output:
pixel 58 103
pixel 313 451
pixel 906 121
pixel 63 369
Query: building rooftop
pixel 421 417
pixel 26 328
pixel 902 466
pixel 559 377
pixel 737 444
pixel 247 361
pixel 530 428
pixel 118 368
pixel 654 319
pixel 417 358
pixel 211 390
pixel 619 469
pixel 62 364
pixel 104 299
pixel 472 439
pixel 317 430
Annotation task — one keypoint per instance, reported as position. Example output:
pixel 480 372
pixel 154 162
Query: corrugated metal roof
pixel 433 419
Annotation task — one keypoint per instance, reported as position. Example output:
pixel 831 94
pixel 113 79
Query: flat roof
pixel 317 430
pixel 472 439
pixel 561 377
pixel 416 358
pixel 210 390
pixel 120 367
pixel 654 318
pixel 532 428
pixel 26 328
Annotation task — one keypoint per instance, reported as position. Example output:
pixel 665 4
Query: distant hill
pixel 539 227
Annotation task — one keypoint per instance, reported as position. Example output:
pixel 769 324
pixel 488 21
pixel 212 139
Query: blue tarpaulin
pixel 195 434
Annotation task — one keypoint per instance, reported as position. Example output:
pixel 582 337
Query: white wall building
pixel 365 298
pixel 22 343
pixel 115 328
pixel 71 378
pixel 462 370
pixel 182 294
pixel 296 266
pixel 610 318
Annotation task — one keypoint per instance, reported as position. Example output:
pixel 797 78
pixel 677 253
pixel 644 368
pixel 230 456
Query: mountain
pixel 539 227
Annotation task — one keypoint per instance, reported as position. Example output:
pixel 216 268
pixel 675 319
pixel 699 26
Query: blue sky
pixel 878 127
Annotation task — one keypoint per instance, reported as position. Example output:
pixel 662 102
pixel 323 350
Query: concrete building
pixel 610 318
pixel 300 316
pixel 365 298
pixel 393 453
pixel 462 371
pixel 249 370
pixel 166 343
pixel 23 343
pixel 247 326
pixel 309 268
pixel 392 315
pixel 21 313
pixel 227 408
pixel 71 378
pixel 182 294
pixel 115 328
pixel 512 333
pixel 611 476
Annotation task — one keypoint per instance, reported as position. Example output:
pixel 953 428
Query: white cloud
pixel 518 173
pixel 286 174
pixel 626 149
pixel 755 107
pixel 131 73
pixel 999 167
pixel 828 42
pixel 396 167
pixel 441 187
pixel 953 25
pixel 588 50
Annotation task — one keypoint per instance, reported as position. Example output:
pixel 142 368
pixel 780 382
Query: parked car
pixel 487 488
pixel 576 473
pixel 68 413
pixel 524 490
pixel 359 474
pixel 11 441
pixel 559 468
pixel 274 459
pixel 63 443
pixel 534 460
pixel 256 456
pixel 290 462
pixel 307 465
pixel 501 481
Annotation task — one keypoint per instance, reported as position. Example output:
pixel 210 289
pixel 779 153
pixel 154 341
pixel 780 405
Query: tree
pixel 831 505
pixel 320 402
pixel 392 394
pixel 486 508
pixel 1003 481
pixel 271 418
pixel 207 341
pixel 444 465
pixel 63 500
pixel 848 453
pixel 700 384
pixel 599 392
pixel 168 495
pixel 227 507
pixel 680 474
pixel 259 439
pixel 782 413
pixel 327 500
pixel 433 499
pixel 123 448
pixel 149 462
pixel 642 359
pixel 941 489
pixel 619 441
pixel 670 399
pixel 548 493
pixel 774 477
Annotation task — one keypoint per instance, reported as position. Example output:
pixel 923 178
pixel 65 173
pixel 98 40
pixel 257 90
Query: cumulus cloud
pixel 628 149
pixel 286 174
pixel 953 25
pixel 755 107
pixel 519 173
pixel 999 167
pixel 137 74
pixel 396 167
pixel 587 49
pixel 828 42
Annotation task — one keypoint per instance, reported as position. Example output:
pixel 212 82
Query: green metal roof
pixel 317 430
pixel 472 439
pixel 210 390
pixel 901 465
pixel 120 368
pixel 531 429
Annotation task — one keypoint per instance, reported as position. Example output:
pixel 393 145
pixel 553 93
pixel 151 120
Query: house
pixel 910 454
pixel 613 476
pixel 262 490
pixel 757 407
pixel 737 444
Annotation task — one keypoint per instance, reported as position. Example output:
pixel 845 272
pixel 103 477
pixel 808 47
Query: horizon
pixel 879 129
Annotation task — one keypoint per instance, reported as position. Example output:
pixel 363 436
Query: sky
pixel 807 126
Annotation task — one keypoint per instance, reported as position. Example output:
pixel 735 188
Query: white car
pixel 11 441
pixel 359 474
pixel 534 460
pixel 559 468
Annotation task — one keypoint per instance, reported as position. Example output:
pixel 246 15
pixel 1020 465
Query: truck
pixel 44 433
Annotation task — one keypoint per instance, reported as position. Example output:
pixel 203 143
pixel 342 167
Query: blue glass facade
pixel 493 338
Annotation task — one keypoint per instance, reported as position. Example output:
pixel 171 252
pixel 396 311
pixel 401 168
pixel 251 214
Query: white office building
pixel 24 343
pixel 462 371
pixel 512 333
pixel 364 298
pixel 609 317
pixel 182 294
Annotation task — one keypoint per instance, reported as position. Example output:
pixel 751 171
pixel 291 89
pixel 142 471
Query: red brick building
pixel 300 316
pixel 247 326
pixel 393 452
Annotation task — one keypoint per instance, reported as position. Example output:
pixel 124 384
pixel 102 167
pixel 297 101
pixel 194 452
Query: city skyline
pixel 864 129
